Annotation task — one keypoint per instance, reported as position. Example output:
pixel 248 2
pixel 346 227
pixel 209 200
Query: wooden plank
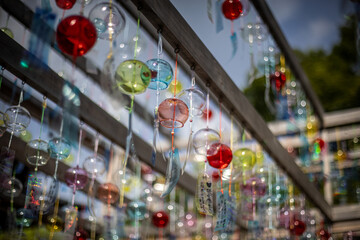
pixel 346 213
pixel 24 15
pixel 291 60
pixel 178 34
pixel 48 83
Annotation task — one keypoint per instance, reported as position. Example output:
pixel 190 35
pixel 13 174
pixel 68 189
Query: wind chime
pixel 173 113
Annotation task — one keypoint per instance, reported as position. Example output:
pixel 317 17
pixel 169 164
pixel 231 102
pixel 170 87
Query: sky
pixel 307 24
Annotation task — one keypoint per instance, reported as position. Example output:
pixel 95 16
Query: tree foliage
pixel 334 76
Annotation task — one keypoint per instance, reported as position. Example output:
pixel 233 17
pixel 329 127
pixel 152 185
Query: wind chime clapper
pixel 195 99
pixel 173 113
pixel 94 166
pixel 161 77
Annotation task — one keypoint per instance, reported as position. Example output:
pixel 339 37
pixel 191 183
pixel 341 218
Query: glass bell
pixel 173 112
pixel 203 139
pixel 94 165
pixel 11 186
pixel 108 193
pixel 17 118
pixel 59 148
pixel 105 23
pixel 161 74
pixel 76 177
pixel 136 210
pixel 36 152
pixel 197 99
pixel 55 223
pixel 75 35
pixel 219 155
pixel 24 217
pixel 132 77
pixel 244 159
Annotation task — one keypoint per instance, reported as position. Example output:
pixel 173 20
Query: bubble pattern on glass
pixel 100 17
pixel 161 74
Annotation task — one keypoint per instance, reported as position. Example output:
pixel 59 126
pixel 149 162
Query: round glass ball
pixel 105 23
pixel 11 186
pixel 76 177
pixel 65 4
pixel 75 35
pixel 195 99
pixel 297 228
pixel 132 77
pixel 203 139
pixel 232 9
pixel 244 159
pixel 136 210
pixel 254 187
pixel 59 148
pixel 24 217
pixel 219 155
pixel 160 219
pixel 161 74
pixel 36 152
pixel 278 79
pixel 173 112
pixel 94 165
pixel 108 193
pixel 17 118
pixel 55 223
pixel 81 234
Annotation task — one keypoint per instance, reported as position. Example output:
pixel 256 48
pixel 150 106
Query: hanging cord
pixel 137 35
pixel 220 146
pixel 21 98
pixel 190 119
pixel 93 177
pixel 41 127
pixel 231 147
pixel 77 164
pixel 174 103
pixel 110 29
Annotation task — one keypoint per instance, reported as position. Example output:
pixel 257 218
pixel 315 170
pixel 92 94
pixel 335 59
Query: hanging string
pixel 231 147
pixel 137 35
pixel 188 149
pixel 17 113
pixel 93 177
pixel 173 124
pixel 42 204
pixel 110 30
pixel 207 106
pixel 220 154
pixel 77 164
pixel 82 7
pixel 41 127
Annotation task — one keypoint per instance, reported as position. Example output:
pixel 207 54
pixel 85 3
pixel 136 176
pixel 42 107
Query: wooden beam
pixel 48 83
pixel 178 34
pixel 24 15
pixel 268 18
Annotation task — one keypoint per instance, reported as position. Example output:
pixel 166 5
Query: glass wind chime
pixel 132 78
pixel 173 113
pixel 195 99
pixel 203 139
pixel 161 77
